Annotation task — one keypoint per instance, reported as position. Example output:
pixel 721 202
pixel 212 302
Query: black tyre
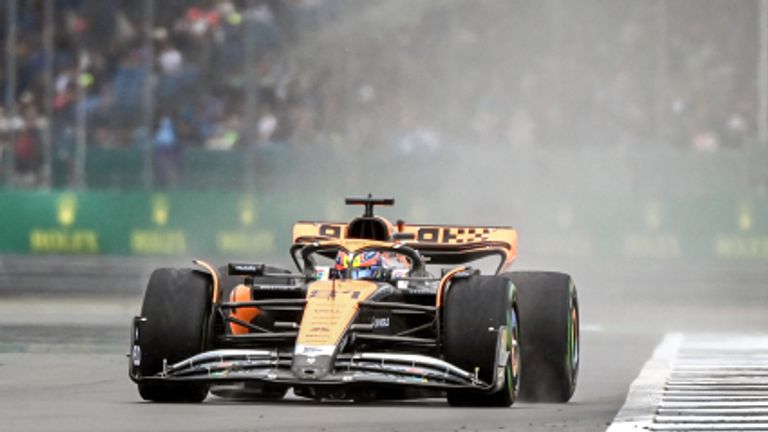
pixel 475 310
pixel 549 335
pixel 176 307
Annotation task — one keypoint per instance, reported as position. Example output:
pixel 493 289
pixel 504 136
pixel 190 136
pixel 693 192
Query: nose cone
pixel 332 306
pixel 311 367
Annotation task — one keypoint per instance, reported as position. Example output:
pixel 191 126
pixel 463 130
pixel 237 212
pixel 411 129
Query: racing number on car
pixel 326 293
pixel 428 235
pixel 332 231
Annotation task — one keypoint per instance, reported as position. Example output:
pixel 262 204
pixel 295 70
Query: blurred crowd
pixel 408 76
pixel 634 74
pixel 197 69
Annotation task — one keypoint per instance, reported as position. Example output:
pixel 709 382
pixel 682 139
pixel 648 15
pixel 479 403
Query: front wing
pixel 227 365
pixel 273 366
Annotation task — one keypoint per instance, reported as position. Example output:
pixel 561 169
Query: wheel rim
pixel 513 366
pixel 573 339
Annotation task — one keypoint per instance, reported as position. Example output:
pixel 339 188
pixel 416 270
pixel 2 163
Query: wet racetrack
pixel 64 329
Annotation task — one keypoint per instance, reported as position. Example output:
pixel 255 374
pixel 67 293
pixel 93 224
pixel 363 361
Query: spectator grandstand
pixel 265 77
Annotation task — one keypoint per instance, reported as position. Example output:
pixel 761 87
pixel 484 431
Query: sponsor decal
pixel 745 217
pixel 136 356
pixel 63 241
pixel 313 350
pixel 277 287
pixel 242 241
pixel 422 290
pixel 652 246
pixel 328 230
pixel 160 210
pixel 322 272
pixel 653 216
pixel 158 242
pixel 248 213
pixel 331 305
pixel 741 246
pixel 66 210
pixel 331 293
pixel 380 322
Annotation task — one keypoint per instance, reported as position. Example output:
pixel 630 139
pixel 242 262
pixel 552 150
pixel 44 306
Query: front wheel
pixel 481 334
pixel 176 308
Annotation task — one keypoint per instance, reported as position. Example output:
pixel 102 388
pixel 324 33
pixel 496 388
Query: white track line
pixel 761 412
pixel 717 380
pixel 680 367
pixel 646 391
pixel 701 383
pixel 711 419
pixel 666 403
pixel 707 397
pixel 720 387
pixel 723 373
pixel 695 427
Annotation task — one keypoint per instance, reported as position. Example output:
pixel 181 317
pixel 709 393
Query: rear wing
pixel 440 244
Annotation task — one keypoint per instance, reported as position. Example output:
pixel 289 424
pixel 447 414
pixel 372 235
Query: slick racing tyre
pixel 549 335
pixel 480 314
pixel 176 308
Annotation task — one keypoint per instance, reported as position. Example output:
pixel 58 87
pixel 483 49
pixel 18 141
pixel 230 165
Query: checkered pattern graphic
pixel 469 235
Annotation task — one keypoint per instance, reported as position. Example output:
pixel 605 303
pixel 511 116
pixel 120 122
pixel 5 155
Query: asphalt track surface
pixel 64 330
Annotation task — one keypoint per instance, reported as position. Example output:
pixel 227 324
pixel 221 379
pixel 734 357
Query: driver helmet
pixel 365 265
pixel 372 265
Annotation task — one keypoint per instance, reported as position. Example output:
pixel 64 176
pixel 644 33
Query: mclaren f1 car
pixel 374 310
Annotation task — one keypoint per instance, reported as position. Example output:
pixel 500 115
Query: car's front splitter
pixel 276 367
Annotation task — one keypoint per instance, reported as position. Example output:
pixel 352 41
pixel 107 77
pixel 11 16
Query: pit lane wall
pixel 234 224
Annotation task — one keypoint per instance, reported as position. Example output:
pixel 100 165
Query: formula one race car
pixel 375 311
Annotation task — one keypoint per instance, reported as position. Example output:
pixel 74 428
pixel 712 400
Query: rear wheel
pixel 480 319
pixel 549 316
pixel 176 308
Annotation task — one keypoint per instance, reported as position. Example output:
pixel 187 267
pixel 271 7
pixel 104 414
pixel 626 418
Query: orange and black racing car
pixel 375 310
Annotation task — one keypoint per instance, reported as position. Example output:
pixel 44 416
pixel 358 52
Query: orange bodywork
pixel 242 293
pixel 443 282
pixel 333 304
pixel 442 237
pixel 214 276
pixel 331 307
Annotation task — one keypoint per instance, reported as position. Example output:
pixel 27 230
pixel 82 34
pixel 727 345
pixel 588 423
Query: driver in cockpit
pixel 371 265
